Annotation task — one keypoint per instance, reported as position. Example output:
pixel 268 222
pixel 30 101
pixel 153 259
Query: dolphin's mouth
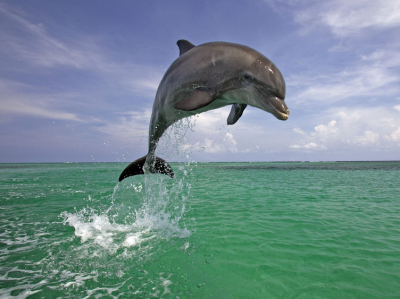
pixel 279 108
pixel 275 105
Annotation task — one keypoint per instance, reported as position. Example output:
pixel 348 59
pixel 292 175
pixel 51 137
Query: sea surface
pixel 217 230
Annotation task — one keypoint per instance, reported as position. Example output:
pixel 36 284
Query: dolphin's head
pixel 267 85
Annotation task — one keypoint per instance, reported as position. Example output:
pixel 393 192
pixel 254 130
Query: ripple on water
pixel 263 231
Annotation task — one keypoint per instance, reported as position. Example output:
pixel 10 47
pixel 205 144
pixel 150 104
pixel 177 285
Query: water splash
pixel 150 207
pixel 142 211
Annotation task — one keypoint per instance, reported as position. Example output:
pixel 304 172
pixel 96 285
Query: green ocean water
pixel 218 230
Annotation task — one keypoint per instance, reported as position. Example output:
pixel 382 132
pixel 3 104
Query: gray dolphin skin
pixel 206 77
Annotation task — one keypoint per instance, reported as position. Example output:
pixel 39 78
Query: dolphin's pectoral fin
pixel 236 113
pixel 136 167
pixel 184 46
pixel 199 98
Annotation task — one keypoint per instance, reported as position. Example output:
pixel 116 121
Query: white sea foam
pixel 99 229
pixel 157 214
pixel 26 290
pixel 99 292
pixel 78 279
pixel 117 233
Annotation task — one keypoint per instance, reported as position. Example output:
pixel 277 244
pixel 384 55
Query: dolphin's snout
pixel 280 110
pixel 273 104
pixel 279 105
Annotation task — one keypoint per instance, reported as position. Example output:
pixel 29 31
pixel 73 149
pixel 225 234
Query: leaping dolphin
pixel 207 77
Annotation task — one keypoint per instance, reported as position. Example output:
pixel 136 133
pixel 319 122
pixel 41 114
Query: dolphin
pixel 206 77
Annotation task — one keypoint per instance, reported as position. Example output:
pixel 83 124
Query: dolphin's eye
pixel 246 76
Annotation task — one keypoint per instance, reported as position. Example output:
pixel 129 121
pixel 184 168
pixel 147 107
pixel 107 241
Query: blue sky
pixel 78 78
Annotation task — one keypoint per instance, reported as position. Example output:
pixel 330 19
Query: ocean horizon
pixel 199 162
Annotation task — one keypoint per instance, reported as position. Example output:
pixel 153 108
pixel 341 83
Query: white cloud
pixel 395 135
pixel 375 127
pixel 322 133
pixel 364 80
pixel 299 131
pixel 205 132
pixel 36 46
pixel 247 135
pixel 397 107
pixel 349 17
pixel 230 142
pixel 14 101
pixel 209 146
pixel 375 74
pixel 213 121
pixel 308 146
pixel 369 138
pixel 129 127
pixel 346 18
pixel 325 131
pixel 34 108
pixel 212 147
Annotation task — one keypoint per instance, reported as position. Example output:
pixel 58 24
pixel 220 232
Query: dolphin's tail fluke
pixel 136 167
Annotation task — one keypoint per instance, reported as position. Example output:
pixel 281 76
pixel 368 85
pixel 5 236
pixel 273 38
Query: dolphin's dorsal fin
pixel 184 46
pixel 236 113
pixel 198 98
